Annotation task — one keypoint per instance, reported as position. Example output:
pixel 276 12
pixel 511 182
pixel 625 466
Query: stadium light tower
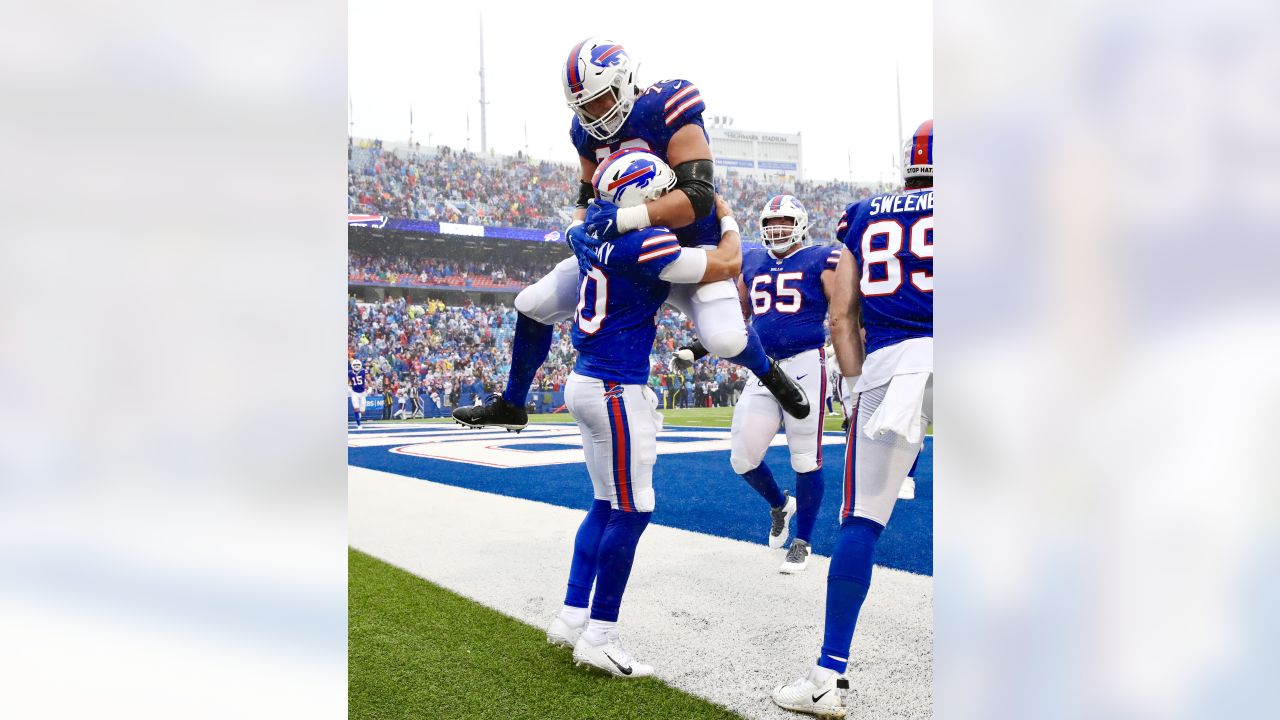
pixel 484 135
pixel 897 80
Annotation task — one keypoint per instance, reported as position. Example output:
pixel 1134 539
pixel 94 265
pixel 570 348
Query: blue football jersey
pixel 891 238
pixel 619 294
pixel 357 379
pixel 659 112
pixel 788 306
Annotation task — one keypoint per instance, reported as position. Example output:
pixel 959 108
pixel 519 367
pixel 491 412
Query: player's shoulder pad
pixel 847 219
pixel 753 258
pixel 679 102
pixel 645 245
pixel 580 138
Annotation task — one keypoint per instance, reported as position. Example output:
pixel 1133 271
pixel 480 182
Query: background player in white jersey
pixel 887 268
pixel 622 285
pixel 612 113
pixel 784 290
pixel 358 383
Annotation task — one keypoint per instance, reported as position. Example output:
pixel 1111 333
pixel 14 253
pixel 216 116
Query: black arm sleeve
pixel 586 192
pixel 694 178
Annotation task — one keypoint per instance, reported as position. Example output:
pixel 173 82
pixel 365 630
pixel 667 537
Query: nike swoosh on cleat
pixel 816 698
pixel 625 670
pixel 801 377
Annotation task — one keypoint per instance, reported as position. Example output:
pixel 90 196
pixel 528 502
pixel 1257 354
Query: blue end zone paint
pixel 695 491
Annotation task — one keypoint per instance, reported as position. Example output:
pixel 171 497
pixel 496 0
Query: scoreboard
pixel 760 154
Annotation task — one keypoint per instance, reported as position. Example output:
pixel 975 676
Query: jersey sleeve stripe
pixel 678 96
pixel 695 100
pixel 657 239
pixel 658 253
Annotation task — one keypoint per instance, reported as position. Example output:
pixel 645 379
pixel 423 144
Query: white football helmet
pixel 780 238
pixel 633 176
pixel 597 66
pixel 356 365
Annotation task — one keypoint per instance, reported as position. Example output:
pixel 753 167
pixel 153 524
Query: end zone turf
pixel 419 651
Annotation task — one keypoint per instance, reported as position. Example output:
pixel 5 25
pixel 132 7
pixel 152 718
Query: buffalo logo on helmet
pixel 638 174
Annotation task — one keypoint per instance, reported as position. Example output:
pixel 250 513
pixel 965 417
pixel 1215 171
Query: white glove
pixel 847 395
pixel 682 360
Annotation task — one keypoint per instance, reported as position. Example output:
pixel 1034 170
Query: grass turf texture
pixel 690 417
pixel 417 650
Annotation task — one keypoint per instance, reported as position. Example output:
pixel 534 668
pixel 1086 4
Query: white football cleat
pixel 610 657
pixel 809 696
pixel 563 634
pixel 797 557
pixel 781 520
pixel 908 490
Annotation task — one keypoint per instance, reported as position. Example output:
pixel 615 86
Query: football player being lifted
pixel 612 113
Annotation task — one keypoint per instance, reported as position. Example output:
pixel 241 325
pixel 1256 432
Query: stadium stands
pixel 444 185
pixel 450 349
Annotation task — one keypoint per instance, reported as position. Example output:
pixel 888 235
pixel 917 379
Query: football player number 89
pixel 920 244
pixel 592 324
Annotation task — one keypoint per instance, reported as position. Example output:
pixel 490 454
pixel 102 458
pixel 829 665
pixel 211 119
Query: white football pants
pixel 619 425
pixel 757 417
pixel 358 400
pixel 874 470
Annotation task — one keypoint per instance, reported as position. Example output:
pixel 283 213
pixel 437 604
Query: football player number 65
pixel 592 324
pixel 920 244
pixel 789 299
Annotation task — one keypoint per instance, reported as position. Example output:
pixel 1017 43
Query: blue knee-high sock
pixel 617 552
pixel 912 473
pixel 847 583
pixel 586 548
pixel 528 351
pixel 809 487
pixel 760 478
pixel 753 357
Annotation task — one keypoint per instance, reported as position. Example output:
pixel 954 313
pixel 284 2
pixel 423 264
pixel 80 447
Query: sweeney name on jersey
pixel 788 306
pixel 619 293
pixel 891 238
pixel 659 112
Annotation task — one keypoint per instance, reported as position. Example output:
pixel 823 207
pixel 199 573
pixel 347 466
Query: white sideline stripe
pixel 713 615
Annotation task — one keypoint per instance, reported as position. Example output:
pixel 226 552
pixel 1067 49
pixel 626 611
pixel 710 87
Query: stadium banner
pixel 456 229
pixel 730 162
pixel 765 164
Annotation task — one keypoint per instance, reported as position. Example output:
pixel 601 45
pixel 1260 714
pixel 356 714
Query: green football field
pixel 705 417
pixel 416 650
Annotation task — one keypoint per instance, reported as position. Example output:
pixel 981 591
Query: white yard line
pixel 714 616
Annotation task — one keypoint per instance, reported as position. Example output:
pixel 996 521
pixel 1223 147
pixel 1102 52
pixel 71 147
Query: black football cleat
pixel 496 412
pixel 787 391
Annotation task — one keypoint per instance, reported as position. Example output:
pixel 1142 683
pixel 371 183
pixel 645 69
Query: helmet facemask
pixel 780 238
pixel 607 125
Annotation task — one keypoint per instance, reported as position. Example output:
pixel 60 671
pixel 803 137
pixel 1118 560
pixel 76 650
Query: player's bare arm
pixel 841 288
pixel 742 299
pixel 725 260
pixel 689 155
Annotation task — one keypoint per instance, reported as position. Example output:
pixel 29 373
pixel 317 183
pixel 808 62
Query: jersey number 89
pixel 920 244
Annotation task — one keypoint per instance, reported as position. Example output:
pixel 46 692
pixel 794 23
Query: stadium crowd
pixel 445 185
pixel 458 354
pixel 408 270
